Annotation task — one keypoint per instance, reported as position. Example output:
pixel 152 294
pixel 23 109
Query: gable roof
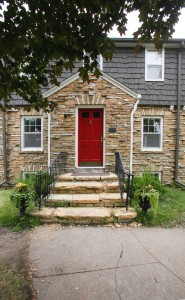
pixel 103 76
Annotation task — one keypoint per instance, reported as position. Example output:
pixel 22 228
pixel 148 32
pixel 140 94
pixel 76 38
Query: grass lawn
pixel 171 209
pixel 13 284
pixel 9 214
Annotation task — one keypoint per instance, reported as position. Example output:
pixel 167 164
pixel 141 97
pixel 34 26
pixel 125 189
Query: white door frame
pixel 76 134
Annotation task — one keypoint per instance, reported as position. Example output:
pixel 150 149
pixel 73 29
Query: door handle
pixel 101 140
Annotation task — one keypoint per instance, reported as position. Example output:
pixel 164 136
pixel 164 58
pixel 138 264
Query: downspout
pixel 49 139
pixel 4 147
pixel 178 110
pixel 132 130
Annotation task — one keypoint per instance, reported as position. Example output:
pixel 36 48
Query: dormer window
pixel 154 65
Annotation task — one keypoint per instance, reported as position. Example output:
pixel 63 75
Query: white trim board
pixel 103 76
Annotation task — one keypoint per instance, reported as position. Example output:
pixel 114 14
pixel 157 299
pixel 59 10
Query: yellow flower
pixel 21 186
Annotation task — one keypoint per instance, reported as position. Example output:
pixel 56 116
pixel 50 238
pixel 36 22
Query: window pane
pixel 38 121
pixel 32 121
pixel 26 122
pixel 151 140
pixel 151 121
pixel 32 128
pixel 96 114
pixel 157 126
pixel 154 72
pixel 151 129
pixel 38 128
pixel 146 121
pixel 154 57
pixel 32 140
pixel 26 128
pixel 85 114
pixel 145 128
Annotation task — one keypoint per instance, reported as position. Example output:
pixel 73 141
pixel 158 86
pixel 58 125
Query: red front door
pixel 90 137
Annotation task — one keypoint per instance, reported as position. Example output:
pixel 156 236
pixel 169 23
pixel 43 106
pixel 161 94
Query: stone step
pixel 88 177
pixel 85 187
pixel 99 199
pixel 84 215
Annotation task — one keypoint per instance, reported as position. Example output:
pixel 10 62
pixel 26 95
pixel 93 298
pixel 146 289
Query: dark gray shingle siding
pixel 129 68
pixel 17 101
pixel 130 71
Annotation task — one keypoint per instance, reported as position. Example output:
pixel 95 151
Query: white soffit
pixel 103 76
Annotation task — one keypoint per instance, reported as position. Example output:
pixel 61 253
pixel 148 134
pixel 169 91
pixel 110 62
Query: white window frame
pixel 153 173
pixel 146 55
pixel 100 64
pixel 22 134
pixel 27 172
pixel 161 140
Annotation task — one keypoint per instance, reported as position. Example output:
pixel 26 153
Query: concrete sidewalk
pixel 96 263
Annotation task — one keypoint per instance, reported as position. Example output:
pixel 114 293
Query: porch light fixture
pixel 67 114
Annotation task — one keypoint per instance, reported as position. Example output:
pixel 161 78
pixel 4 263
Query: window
pixel 99 60
pixel 155 174
pixel 152 133
pixel 32 133
pixel 154 65
pixel 28 175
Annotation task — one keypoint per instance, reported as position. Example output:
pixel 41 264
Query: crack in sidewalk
pixel 117 266
pixel 91 271
pixel 157 260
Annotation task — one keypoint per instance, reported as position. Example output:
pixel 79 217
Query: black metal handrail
pixel 45 181
pixel 126 180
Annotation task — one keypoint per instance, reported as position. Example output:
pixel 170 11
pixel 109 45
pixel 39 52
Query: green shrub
pixel 148 187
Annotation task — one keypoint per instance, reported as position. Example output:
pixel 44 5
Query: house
pixel 136 107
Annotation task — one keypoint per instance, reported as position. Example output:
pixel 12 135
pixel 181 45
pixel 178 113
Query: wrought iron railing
pixel 45 181
pixel 126 180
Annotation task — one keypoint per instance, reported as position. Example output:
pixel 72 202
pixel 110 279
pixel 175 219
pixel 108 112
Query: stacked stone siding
pixel 117 104
pixel 158 161
pixel 181 164
pixel 18 160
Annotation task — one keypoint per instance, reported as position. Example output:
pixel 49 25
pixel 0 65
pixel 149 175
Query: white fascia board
pixel 62 85
pixel 103 76
pixel 120 85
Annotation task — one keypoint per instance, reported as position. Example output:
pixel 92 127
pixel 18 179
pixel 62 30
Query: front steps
pixel 85 198
pixel 84 215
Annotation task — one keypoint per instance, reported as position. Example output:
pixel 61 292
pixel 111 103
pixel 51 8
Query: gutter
pixel 132 130
pixel 178 109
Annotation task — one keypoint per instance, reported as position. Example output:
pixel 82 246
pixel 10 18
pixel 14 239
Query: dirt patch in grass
pixel 15 280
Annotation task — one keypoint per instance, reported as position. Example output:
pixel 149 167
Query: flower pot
pixel 144 203
pixel 22 207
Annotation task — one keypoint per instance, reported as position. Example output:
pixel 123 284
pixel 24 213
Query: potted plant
pixel 23 195
pixel 147 190
pixel 149 198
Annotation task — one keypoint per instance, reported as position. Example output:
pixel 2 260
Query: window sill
pixel 154 80
pixel 31 151
pixel 152 151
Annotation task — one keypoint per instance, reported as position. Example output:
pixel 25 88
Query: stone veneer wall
pixel 118 106
pixel 18 160
pixel 1 151
pixel 181 170
pixel 159 161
